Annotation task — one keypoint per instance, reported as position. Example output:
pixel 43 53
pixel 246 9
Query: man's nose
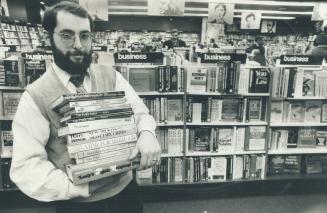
pixel 77 42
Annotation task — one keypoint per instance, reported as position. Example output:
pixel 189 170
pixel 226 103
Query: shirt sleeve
pixel 31 170
pixel 144 121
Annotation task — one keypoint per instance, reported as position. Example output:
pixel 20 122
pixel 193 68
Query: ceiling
pixel 272 9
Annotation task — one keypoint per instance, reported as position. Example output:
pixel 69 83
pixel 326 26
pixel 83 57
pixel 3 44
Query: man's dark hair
pixel 50 15
pixel 223 6
pixel 249 15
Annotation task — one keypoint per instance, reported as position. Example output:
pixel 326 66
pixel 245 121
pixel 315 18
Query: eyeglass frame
pixel 71 41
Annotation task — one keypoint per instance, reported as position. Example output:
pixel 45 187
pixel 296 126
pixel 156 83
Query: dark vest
pixel 44 91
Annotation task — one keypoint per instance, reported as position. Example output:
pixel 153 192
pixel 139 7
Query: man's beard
pixel 65 63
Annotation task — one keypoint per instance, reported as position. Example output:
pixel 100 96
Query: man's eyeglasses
pixel 68 38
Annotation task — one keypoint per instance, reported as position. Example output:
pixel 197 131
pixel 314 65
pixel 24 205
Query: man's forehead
pixel 69 21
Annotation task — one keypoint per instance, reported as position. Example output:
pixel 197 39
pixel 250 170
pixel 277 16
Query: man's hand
pixel 148 145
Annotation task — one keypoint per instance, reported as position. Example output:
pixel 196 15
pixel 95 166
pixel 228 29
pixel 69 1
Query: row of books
pixel 198 169
pixel 21 71
pixel 313 111
pixel 211 109
pixel 226 139
pixel 296 164
pixel 299 82
pixel 6 143
pixel 101 134
pixel 307 137
pixel 227 77
pixel 171 140
pixel 154 78
pixel 165 109
pixel 9 103
pixel 5 164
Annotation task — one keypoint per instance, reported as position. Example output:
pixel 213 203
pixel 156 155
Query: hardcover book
pixel 175 109
pixel 259 80
pixel 225 140
pixel 202 139
pixel 254 109
pixel 255 138
pixel 196 79
pixel 10 102
pixel 296 112
pixel 312 111
pixel 307 137
pixel 143 79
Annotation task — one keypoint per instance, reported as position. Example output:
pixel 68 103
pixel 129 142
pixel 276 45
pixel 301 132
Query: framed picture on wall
pixel 221 13
pixel 250 20
pixel 268 26
pixel 166 7
pixel 4 11
pixel 319 12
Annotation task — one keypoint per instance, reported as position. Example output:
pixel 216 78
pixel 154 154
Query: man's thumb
pixel 134 153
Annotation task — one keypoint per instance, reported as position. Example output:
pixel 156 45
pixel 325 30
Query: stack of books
pixel 101 133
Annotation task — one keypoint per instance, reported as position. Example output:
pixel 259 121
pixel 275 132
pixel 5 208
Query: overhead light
pixel 272 17
pixel 275 12
pixel 281 3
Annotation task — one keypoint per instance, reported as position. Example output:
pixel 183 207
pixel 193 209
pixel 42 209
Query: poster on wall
pixel 268 26
pixel 250 20
pixel 319 12
pixel 215 31
pixel 4 8
pixel 166 7
pixel 221 13
pixel 98 9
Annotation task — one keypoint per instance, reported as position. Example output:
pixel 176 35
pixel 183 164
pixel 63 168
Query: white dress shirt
pixel 31 170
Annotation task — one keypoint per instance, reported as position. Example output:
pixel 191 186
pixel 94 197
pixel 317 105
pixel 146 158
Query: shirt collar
pixel 65 76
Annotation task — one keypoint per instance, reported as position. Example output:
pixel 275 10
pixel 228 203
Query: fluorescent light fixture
pixel 272 17
pixel 281 3
pixel 275 12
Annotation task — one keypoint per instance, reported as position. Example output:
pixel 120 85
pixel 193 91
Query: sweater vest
pixel 44 91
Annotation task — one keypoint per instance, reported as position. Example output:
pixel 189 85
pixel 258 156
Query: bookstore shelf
pixel 227 95
pixel 167 155
pixel 12 88
pixel 160 93
pixel 6 118
pixel 299 98
pixel 304 124
pixel 171 123
pixel 226 123
pixel 296 176
pixel 298 151
pixel 195 154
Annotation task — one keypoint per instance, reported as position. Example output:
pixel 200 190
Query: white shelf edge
pixel 226 124
pixel 298 151
pixel 297 124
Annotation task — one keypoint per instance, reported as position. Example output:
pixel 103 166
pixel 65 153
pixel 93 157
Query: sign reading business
pixel 154 58
pixel 300 60
pixel 222 57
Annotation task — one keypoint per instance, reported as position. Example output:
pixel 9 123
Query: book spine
pixel 100 171
pixel 72 104
pixel 111 155
pixel 99 117
pixel 73 128
pixel 62 100
pixel 100 134
pixel 102 143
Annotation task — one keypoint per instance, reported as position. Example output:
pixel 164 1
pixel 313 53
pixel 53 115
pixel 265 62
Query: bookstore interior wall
pixel 221 118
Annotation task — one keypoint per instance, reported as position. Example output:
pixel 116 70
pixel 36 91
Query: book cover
pixel 313 164
pixel 231 109
pixel 292 164
pixel 10 102
pixel 202 139
pixel 307 137
pixel 259 80
pixel 276 111
pixel 7 139
pixel 308 85
pixel 33 69
pixel 175 109
pixel 276 165
pixel 217 168
pixel 255 138
pixel 324 112
pixel 296 112
pixel 292 138
pixel 197 79
pixel 254 109
pixel 321 139
pixel 225 140
pixel 142 79
pixel 312 111
pixel 11 73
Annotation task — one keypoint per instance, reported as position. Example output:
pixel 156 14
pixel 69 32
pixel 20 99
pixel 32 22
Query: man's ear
pixel 47 38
